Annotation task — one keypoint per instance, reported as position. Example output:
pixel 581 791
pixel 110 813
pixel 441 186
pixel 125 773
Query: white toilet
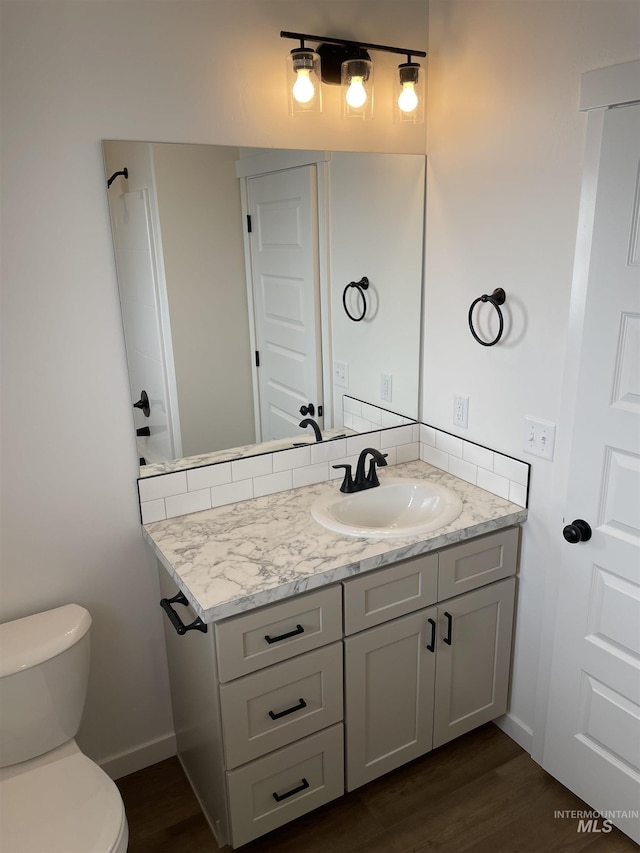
pixel 53 799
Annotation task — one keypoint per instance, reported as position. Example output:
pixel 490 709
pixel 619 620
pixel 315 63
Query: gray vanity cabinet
pixel 414 682
pixel 260 718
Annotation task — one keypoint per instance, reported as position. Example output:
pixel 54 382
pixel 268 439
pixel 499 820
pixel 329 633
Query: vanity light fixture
pixel 348 63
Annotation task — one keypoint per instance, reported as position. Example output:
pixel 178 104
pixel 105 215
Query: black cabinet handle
pixel 176 621
pixel 432 645
pixel 276 715
pixel 297 630
pixel 143 432
pixel 449 618
pixel 577 531
pixel 280 797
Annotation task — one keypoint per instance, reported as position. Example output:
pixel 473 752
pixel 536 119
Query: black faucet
pixel 361 481
pixel 310 422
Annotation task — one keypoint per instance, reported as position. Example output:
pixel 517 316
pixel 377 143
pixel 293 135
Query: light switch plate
pixel 341 374
pixel 539 438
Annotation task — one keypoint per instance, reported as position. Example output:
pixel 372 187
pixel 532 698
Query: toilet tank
pixel 44 668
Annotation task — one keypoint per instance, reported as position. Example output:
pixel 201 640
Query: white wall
pixel 201 226
pixel 376 229
pixel 74 73
pixel 505 147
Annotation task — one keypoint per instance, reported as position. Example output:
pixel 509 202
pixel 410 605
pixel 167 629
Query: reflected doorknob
pixel 577 531
pixel 309 409
pixel 143 404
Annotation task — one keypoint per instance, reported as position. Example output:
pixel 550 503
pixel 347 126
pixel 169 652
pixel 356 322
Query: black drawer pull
pixel 298 630
pixel 432 645
pixel 280 797
pixel 176 621
pixel 447 639
pixel 276 715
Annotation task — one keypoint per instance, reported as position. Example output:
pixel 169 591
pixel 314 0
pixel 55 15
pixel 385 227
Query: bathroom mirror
pixel 196 295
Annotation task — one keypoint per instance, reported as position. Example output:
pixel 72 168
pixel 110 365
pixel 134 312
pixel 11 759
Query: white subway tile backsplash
pixel 449 443
pixel 328 451
pixel 434 456
pixel 464 470
pixel 362 424
pixel 396 436
pixel 313 474
pixel 493 483
pixel 231 493
pixel 209 475
pixel 183 492
pixel 188 502
pixel 481 456
pixel 153 511
pixel 511 469
pixel 357 443
pixel 287 459
pixel 372 414
pixel 352 406
pixel 427 435
pixel 518 494
pixel 407 452
pixel 272 483
pixel 252 466
pixel 163 486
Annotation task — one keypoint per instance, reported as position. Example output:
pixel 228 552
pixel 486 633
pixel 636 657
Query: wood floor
pixel 480 793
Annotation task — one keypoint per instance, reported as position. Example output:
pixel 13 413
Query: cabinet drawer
pixel 279 631
pixel 477 562
pixel 273 790
pixel 382 595
pixel 287 701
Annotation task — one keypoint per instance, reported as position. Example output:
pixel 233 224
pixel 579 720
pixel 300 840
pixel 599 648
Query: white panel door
pixel 145 339
pixel 285 272
pixel 592 741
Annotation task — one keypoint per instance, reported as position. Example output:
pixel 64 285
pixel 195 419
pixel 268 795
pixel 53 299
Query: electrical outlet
pixel 341 373
pixel 461 410
pixel 539 438
pixel 386 384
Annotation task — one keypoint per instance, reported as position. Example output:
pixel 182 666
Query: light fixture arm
pixel 302 37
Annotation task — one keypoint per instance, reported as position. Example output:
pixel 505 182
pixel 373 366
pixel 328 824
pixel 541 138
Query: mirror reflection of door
pixel 149 352
pixel 285 281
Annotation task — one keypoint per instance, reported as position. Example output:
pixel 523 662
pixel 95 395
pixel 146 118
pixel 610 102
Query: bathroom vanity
pixel 319 662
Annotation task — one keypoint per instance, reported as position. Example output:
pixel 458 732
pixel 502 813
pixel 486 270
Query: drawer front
pixel 277 632
pixel 275 706
pixel 280 787
pixel 478 562
pixel 381 595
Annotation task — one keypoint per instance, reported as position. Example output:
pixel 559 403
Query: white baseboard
pixel 140 757
pixel 516 730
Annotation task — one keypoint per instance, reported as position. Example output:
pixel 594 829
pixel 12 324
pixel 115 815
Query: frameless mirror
pixel 265 293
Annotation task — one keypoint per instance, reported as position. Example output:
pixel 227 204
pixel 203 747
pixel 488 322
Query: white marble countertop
pixel 234 558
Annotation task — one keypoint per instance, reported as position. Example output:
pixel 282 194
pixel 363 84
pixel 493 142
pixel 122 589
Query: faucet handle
pixel 348 485
pixel 372 476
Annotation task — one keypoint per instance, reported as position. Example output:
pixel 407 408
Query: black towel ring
pixel 497 299
pixel 360 286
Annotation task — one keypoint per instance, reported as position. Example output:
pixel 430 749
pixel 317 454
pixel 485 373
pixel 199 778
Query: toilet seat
pixel 61 802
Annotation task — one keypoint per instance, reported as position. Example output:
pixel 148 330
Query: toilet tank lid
pixel 34 639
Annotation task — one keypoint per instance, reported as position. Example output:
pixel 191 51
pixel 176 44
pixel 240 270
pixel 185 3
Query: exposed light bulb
pixel 356 93
pixel 303 88
pixel 408 99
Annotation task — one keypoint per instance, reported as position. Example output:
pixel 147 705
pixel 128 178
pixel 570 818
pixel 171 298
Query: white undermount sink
pixel 397 507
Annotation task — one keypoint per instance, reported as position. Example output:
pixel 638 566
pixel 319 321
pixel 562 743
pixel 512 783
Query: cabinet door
pixel 473 655
pixel 389 682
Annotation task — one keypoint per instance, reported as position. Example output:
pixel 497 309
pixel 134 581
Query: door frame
pixel 276 161
pixel 601 89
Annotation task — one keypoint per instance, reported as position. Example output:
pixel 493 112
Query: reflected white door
pixel 285 272
pixel 145 338
pixel 592 741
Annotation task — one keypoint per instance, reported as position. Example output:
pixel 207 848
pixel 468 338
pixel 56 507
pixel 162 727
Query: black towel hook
pixel 124 172
pixel 360 286
pixel 497 299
